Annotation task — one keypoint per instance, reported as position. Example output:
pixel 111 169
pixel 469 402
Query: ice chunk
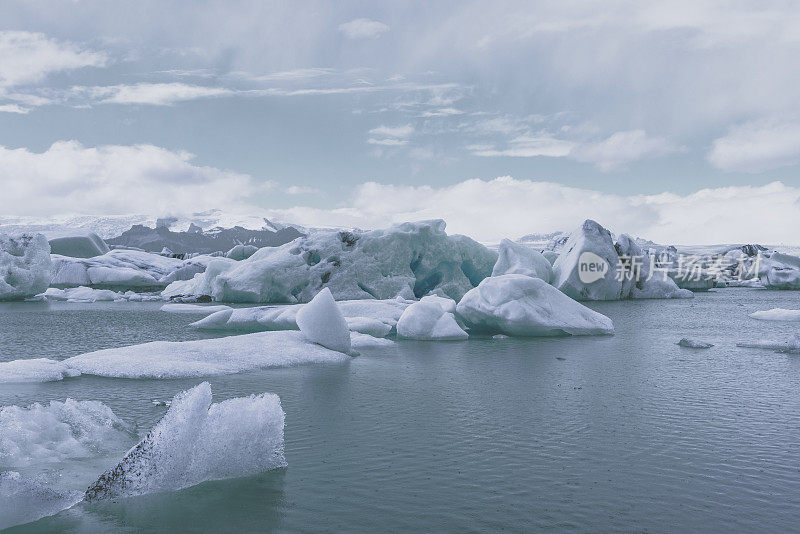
pixel 780 271
pixel 587 267
pixel 35 370
pixel 694 344
pixel 193 308
pixel 369 326
pixel 378 264
pixel 204 357
pixel 117 269
pixel 23 500
pixel 322 322
pixel 58 431
pixel 791 345
pixel 430 319
pixel 362 341
pixel 515 258
pixel 241 252
pixel 197 441
pixel 76 243
pixel 519 305
pixel 776 314
pixel 24 265
pixel 660 287
pixel 82 294
pixel 200 283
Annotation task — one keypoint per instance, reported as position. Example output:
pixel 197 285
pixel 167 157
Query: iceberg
pixel 76 243
pixel 776 314
pixel 589 255
pixel 197 441
pixel 694 344
pixel 24 265
pixel 514 258
pixel 204 357
pixel 24 500
pixel 780 271
pixel 380 264
pixel 118 269
pixel 369 326
pixel 431 319
pixel 321 322
pixel 35 370
pixel 518 305
pixel 241 252
pixel 193 308
pixel 88 294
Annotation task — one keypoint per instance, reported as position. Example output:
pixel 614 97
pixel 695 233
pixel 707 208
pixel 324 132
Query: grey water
pixel 628 432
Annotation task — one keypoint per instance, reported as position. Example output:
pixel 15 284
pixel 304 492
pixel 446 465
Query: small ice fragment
pixel 694 344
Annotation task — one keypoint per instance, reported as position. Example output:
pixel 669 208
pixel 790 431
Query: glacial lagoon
pixel 626 432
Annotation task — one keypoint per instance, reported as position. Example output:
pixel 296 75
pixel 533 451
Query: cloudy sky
pixel 676 121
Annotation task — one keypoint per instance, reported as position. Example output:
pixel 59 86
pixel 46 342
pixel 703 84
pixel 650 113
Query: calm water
pixel 629 432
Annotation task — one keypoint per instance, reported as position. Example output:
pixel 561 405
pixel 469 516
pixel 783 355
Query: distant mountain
pixel 197 240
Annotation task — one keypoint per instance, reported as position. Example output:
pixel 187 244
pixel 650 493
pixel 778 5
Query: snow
pixel 694 344
pixel 76 243
pixel 193 308
pixel 24 265
pixel 35 370
pixel 321 321
pixel 197 441
pixel 283 317
pixel 204 357
pixel 378 264
pixel 241 252
pixel 776 314
pixel 519 305
pixel 58 431
pixel 118 269
pixel 515 258
pixel 24 500
pixel 430 319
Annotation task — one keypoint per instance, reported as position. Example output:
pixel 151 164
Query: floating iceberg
pixel 587 267
pixel 694 344
pixel 514 258
pixel 35 370
pixel 193 308
pixel 780 271
pixel 379 264
pixel 118 269
pixel 776 314
pixel 24 265
pixel 518 305
pixel 791 345
pixel 197 441
pixel 369 326
pixel 76 243
pixel 88 294
pixel 24 500
pixel 241 252
pixel 431 319
pixel 204 357
pixel 50 433
pixel 322 322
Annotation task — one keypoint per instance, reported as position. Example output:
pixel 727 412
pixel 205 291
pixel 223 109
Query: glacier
pixel 24 265
pixel 519 305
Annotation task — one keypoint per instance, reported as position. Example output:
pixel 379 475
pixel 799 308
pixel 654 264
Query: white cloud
pixel 113 179
pixel 27 57
pixel 621 149
pixel 363 29
pixel 507 207
pixel 13 108
pixel 443 112
pixel 528 146
pixel 158 94
pixel 390 135
pixel 301 190
pixel 757 147
pixel 294 75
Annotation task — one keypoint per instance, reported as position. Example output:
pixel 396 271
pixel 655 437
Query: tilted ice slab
pixel 76 243
pixel 374 317
pixel 514 258
pixel 431 319
pixel 197 441
pixel 24 265
pixel 776 314
pixel 321 322
pixel 204 357
pixel 35 370
pixel 518 305
pixel 410 258
pixel 117 269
